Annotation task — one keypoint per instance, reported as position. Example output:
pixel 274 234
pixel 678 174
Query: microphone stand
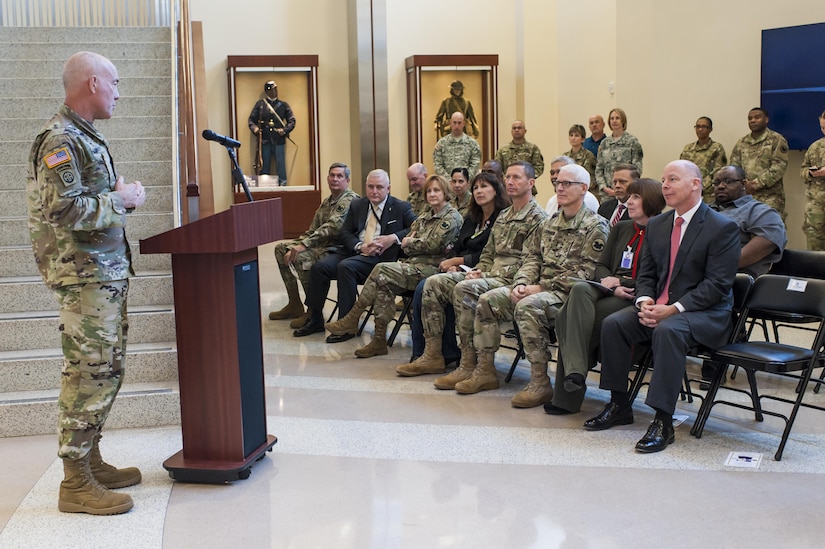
pixel 237 173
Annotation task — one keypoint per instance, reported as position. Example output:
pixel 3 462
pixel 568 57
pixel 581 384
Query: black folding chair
pixel 774 294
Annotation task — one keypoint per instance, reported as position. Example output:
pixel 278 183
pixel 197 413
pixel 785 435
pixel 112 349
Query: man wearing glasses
pixel 564 246
pixel 707 154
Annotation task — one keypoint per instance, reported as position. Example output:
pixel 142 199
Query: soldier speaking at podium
pixel 271 120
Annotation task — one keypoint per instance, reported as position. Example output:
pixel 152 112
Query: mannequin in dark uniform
pixel 274 120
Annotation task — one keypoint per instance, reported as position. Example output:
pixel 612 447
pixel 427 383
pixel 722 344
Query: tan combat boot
pixel 464 371
pixel 299 322
pixel 430 362
pixel 378 345
pixel 108 475
pixel 484 377
pixel 293 309
pixel 349 323
pixel 81 493
pixel 537 392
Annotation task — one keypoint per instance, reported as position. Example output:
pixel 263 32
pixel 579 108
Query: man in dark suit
pixel 371 234
pixel 680 303
pixel 614 209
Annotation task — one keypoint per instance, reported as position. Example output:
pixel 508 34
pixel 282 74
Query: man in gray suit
pixel 681 302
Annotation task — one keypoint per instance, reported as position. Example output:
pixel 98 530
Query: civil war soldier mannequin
pixel 271 120
pixel 452 104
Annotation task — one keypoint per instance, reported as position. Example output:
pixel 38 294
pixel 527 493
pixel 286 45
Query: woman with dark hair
pixel 578 324
pixel 583 157
pixel 489 199
pixel 460 182
pixel 619 147
pixel 426 245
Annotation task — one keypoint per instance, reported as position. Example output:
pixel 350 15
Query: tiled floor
pixel 367 459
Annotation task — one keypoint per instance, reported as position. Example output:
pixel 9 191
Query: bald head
pixel 457 124
pixel 90 85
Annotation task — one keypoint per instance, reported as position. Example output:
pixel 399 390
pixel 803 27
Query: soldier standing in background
pixel 763 154
pixel 813 174
pixel 520 149
pixel 271 120
pixel 582 156
pixel 620 147
pixel 707 154
pixel 77 213
pixel 456 150
pixel 455 103
pixel 302 252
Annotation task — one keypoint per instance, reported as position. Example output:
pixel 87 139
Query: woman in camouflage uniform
pixel 620 147
pixel 426 245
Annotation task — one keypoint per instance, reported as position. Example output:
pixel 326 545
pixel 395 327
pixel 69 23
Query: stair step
pixel 132 148
pixel 149 172
pixel 13 202
pixel 115 51
pixel 19 261
pixel 137 405
pixel 39 330
pixel 128 87
pixel 126 126
pixel 44 107
pixel 68 35
pixel 126 68
pixel 39 369
pixel 14 231
pixel 22 294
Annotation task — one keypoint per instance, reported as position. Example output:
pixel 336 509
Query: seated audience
pixel 552 207
pixel 425 247
pixel 488 200
pixel 371 233
pixel 614 209
pixel 578 324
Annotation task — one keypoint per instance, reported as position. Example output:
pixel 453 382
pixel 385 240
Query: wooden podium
pixel 220 353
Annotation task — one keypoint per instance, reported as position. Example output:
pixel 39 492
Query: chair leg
pixel 639 379
pixel 405 312
pixel 757 404
pixel 364 322
pixel 792 417
pixel 519 355
pixel 708 402
pixel 686 392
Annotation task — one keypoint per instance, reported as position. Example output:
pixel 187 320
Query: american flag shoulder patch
pixel 58 157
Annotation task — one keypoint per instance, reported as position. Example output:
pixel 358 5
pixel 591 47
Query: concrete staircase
pixel 140 136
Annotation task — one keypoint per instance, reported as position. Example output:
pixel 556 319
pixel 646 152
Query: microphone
pixel 209 135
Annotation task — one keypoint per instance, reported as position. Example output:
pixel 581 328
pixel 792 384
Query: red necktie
pixel 675 239
pixel 618 215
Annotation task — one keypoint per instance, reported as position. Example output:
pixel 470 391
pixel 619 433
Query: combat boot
pixel 538 391
pixel 349 323
pixel 431 362
pixel 81 493
pixel 484 377
pixel 463 372
pixel 299 322
pixel 108 475
pixel 378 345
pixel 293 309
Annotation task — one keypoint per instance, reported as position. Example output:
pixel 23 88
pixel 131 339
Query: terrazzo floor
pixel 369 460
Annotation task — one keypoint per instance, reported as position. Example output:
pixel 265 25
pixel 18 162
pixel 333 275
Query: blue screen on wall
pixel 793 81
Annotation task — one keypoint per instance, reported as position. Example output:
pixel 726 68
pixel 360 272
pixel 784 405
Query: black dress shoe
pixel 612 415
pixel 339 338
pixel 554 410
pixel 658 436
pixel 312 326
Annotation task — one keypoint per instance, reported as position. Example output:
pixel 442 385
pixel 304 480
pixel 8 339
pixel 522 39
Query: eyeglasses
pixel 726 181
pixel 566 184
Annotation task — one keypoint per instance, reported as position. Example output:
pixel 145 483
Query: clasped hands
pixel 651 314
pixel 133 194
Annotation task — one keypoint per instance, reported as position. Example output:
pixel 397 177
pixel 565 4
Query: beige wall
pixel 670 62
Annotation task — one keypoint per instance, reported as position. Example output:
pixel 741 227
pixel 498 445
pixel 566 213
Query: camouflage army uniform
pixel 450 153
pixel 431 235
pixel 814 225
pixel 764 160
pixel 612 151
pixel 500 259
pixel 511 152
pixel 585 159
pixel 76 223
pixel 462 205
pixel 322 233
pixel 418 202
pixel 709 158
pixel 560 249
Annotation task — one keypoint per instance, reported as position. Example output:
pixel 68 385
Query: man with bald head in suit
pixel 683 298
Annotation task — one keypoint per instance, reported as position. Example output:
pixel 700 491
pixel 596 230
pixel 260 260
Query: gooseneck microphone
pixel 209 135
